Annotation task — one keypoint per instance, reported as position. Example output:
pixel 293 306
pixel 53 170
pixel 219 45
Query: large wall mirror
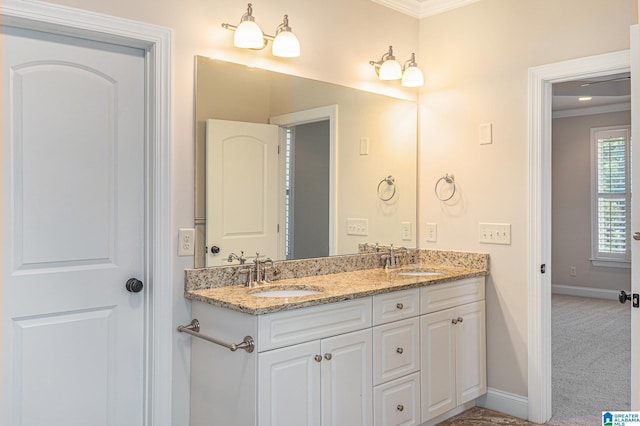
pixel 295 168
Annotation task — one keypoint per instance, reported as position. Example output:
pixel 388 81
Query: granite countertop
pixel 333 288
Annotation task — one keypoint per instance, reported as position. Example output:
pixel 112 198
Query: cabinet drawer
pixel 396 350
pixel 397 402
pixel 395 306
pixel 316 322
pixel 447 295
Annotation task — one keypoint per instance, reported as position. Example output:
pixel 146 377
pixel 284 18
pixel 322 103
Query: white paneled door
pixel 73 231
pixel 242 190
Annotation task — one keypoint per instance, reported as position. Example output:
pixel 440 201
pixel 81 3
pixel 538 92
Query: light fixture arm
pixel 386 56
pixel 410 62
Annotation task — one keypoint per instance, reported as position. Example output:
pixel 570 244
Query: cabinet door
pixel 397 403
pixel 471 380
pixel 346 379
pixel 289 386
pixel 396 350
pixel 438 363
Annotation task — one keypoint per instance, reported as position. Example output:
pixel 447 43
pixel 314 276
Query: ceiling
pixel 608 93
pixel 423 8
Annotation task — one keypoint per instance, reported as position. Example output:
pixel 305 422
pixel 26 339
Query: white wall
pixel 476 60
pixel 571 204
pixel 338 39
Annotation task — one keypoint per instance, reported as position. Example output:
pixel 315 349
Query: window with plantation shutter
pixel 610 196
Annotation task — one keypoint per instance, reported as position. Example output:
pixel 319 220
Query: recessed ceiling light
pixel 584 98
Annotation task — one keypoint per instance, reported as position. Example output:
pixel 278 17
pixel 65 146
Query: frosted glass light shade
pixel 390 70
pixel 248 35
pixel 286 45
pixel 412 77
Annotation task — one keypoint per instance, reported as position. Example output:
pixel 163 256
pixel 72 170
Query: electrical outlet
pixel 572 271
pixel 494 233
pixel 406 231
pixel 357 226
pixel 186 237
pixel 432 233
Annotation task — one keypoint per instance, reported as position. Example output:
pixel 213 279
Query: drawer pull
pixel 327 356
pixel 400 407
pixel 400 350
pixel 400 306
pixel 318 358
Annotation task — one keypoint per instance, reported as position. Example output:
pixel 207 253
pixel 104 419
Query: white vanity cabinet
pixel 397 358
pixel 453 345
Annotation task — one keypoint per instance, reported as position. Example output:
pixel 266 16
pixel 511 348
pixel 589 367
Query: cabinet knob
pixel 318 358
pixel 454 321
pixel 400 306
pixel 400 407
pixel 399 350
pixel 460 319
pixel 327 356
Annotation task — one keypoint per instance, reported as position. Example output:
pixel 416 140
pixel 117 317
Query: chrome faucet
pixel 257 272
pixel 241 258
pixel 393 257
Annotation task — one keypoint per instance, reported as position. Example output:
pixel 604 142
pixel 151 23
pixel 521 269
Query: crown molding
pixel 423 8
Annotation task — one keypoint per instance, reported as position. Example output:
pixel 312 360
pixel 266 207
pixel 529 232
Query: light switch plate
pixel 486 134
pixel 406 231
pixel 364 146
pixel 356 226
pixel 494 233
pixel 432 233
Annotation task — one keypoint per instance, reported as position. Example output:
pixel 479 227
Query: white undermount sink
pixel 419 273
pixel 285 292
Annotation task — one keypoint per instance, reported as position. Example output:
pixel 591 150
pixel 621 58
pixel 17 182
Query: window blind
pixel 612 194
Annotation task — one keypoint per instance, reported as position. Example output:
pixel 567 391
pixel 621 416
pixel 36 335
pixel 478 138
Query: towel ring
pixel 448 179
pixel 391 181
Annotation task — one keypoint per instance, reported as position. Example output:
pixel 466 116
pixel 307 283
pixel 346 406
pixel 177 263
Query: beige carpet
pixel 591 358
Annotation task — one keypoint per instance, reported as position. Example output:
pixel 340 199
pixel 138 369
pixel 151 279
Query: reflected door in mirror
pixel 242 213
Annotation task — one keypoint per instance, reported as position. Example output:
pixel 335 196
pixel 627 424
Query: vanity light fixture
pixel 248 35
pixel 388 68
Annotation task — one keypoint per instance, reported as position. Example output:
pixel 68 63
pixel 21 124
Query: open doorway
pixel 590 251
pixel 306 190
pixel 314 132
pixel 541 79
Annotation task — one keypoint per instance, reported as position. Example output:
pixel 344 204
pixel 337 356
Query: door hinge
pixel 543 268
pixel 635 300
pixel 278 228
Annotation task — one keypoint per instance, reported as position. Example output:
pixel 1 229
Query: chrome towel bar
pixel 194 330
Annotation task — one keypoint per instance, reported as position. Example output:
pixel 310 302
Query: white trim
pixel 423 8
pixel 595 293
pixel 505 402
pixel 313 115
pixel 601 109
pixel 539 217
pixel 156 41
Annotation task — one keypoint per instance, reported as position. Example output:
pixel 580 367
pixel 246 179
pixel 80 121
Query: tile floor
pixel 478 416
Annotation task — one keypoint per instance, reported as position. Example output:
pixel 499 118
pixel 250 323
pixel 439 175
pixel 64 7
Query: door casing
pixel 156 42
pixel 541 79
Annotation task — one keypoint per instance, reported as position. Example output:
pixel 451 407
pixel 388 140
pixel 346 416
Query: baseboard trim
pixel 505 402
pixel 597 293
